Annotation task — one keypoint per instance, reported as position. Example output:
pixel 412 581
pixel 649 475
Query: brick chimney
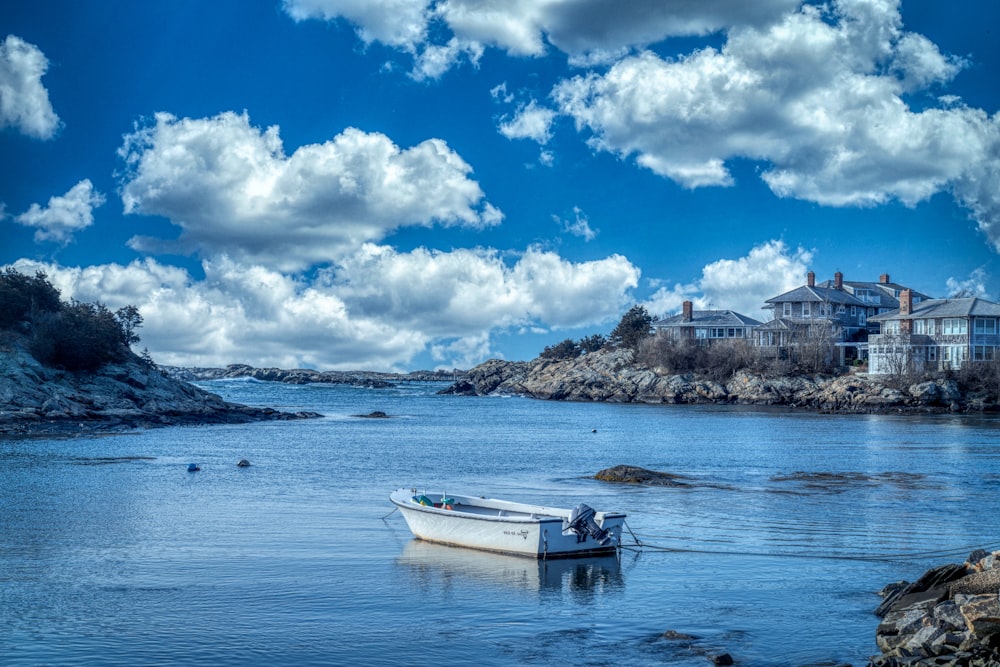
pixel 811 279
pixel 838 280
pixel 884 278
pixel 905 302
pixel 688 311
pixel 905 308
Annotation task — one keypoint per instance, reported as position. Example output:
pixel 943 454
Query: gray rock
pixel 636 475
pixel 612 375
pixel 38 400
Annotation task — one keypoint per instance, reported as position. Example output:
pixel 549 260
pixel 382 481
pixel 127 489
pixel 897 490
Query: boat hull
pixel 505 527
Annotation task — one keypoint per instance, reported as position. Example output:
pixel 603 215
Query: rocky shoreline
pixel 949 617
pixel 39 401
pixel 612 376
pixel 369 379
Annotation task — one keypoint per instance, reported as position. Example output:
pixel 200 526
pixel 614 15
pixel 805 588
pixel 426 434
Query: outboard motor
pixel 581 521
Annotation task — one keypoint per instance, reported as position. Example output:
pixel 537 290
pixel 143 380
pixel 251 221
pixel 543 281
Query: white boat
pixel 509 527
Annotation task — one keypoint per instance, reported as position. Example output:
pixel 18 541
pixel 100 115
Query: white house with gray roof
pixel 705 326
pixel 934 334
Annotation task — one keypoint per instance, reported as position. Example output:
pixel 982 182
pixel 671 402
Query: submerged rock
pixel 635 475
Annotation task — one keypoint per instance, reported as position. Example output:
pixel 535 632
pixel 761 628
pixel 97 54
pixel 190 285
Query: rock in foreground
pixel 950 617
pixel 37 400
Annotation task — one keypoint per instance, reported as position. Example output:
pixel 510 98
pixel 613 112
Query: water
pixel 111 553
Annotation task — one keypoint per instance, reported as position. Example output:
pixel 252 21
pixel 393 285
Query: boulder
pixel 949 617
pixel 635 475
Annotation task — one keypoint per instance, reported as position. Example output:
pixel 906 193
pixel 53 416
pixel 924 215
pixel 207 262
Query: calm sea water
pixel 111 553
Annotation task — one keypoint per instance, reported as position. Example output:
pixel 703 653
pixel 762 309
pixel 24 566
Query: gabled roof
pixel 709 318
pixel 817 295
pixel 779 324
pixel 966 307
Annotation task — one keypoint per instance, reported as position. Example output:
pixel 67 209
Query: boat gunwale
pixel 409 504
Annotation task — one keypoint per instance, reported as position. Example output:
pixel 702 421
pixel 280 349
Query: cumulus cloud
pixel 531 121
pixel 64 215
pixel 24 101
pixel 589 31
pixel 231 188
pixel 816 96
pixel 398 23
pixel 741 284
pixel 973 285
pixel 380 309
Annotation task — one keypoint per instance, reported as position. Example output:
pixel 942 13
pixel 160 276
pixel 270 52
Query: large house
pixel 705 326
pixel 838 311
pixel 934 334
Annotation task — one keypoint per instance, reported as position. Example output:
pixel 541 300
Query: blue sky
pixel 409 184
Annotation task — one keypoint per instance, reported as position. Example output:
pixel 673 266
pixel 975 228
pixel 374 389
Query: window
pixel 854 311
pixel 919 326
pixel 701 333
pixel 954 325
pixel 932 353
pixel 806 312
pixel 930 327
pixel 985 325
pixel 786 310
pixel 982 352
pixel 891 327
pixel 731 333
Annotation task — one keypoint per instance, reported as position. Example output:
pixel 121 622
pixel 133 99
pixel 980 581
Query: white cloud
pixel 398 23
pixel 974 285
pixel 742 284
pixel 64 214
pixel 578 226
pixel 24 101
pixel 529 122
pixel 379 310
pixel 589 31
pixel 817 97
pixel 231 189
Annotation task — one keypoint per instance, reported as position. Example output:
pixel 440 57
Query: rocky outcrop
pixel 950 617
pixel 635 475
pixel 370 379
pixel 612 375
pixel 37 400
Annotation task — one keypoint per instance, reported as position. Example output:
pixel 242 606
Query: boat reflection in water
pixel 431 563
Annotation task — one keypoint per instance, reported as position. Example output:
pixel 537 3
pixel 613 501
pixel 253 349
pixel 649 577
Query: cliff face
pixel 612 375
pixel 36 400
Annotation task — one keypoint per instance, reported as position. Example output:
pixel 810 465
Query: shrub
pixel 566 349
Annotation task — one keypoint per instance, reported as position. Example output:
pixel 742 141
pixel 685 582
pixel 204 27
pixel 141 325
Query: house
pixel 705 326
pixel 934 334
pixel 839 311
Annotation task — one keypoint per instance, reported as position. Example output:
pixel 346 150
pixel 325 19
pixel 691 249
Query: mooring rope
pixel 643 546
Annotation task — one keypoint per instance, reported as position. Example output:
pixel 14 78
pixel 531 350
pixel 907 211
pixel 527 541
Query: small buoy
pixel 193 467
pixel 243 463
pixel 593 430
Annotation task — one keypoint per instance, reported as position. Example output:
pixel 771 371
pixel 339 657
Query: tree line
pixel 73 335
